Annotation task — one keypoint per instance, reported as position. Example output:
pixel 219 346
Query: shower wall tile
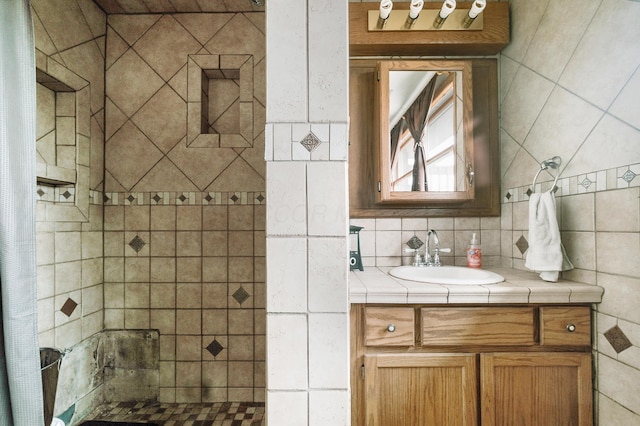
pixel 328 407
pixel 328 94
pixel 327 355
pixel 287 100
pixel 287 351
pixel 324 180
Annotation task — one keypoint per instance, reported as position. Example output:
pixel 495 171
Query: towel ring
pixel 553 163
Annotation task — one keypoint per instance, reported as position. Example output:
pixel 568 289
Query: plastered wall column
pixel 306 153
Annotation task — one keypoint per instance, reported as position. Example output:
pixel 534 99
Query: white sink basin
pixel 450 275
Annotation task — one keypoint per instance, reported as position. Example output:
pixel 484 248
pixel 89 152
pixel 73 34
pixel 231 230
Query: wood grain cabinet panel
pixel 421 389
pixel 471 365
pixel 565 325
pixel 389 326
pixel 536 389
pixel 478 326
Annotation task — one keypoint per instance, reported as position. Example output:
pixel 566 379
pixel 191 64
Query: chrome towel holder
pixel 553 163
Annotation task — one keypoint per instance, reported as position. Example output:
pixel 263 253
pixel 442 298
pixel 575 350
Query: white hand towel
pixel 546 253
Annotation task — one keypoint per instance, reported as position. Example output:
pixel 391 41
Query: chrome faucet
pixel 432 256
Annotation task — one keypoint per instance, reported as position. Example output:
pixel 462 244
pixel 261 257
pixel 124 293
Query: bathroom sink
pixel 450 275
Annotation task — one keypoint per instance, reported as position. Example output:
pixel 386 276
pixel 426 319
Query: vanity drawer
pixel 389 326
pixel 565 326
pixel 495 326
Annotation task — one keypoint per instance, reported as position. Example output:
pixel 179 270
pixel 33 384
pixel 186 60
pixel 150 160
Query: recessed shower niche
pixel 63 133
pixel 220 101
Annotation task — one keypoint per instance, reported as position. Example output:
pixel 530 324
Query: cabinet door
pixel 420 389
pixel 536 389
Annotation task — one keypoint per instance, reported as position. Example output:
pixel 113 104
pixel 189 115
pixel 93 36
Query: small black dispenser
pixel 355 261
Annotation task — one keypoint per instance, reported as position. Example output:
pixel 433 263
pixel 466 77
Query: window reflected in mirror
pixel 426 134
pixel 433 166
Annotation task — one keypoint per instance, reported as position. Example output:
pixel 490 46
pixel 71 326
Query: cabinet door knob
pixel 571 328
pixel 391 328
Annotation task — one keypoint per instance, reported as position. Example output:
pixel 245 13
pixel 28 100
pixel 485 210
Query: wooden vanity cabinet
pixel 489 365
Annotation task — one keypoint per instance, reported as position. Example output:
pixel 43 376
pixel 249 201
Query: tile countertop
pixel 375 285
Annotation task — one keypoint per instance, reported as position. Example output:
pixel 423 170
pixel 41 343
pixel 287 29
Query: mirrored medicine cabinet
pixel 423 138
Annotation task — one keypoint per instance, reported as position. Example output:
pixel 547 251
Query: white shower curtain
pixel 20 379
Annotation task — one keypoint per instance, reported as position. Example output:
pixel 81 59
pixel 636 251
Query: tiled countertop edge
pixel 375 285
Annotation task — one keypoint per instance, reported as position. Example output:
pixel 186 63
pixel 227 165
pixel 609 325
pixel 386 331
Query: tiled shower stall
pixel 164 226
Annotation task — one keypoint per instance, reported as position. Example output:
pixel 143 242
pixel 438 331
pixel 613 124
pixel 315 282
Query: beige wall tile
pixel 578 213
pixel 189 218
pixel 188 243
pixel 189 296
pixel 163 218
pixel 162 295
pixel 618 253
pixel 214 243
pixel 188 321
pixel 214 217
pixel 163 269
pixel 618 211
pixel 188 348
pixel 163 243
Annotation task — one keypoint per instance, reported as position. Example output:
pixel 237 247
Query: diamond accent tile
pixel 586 183
pixel 310 142
pixel 617 339
pixel 68 307
pixel 522 244
pixel 234 198
pixel 215 348
pixel 415 243
pixel 137 243
pixel 241 295
pixel 182 198
pixel 208 197
pixel 157 198
pixel 260 198
pixel 41 192
pixel 529 192
pixel 130 198
pixel 629 176
pixel 508 196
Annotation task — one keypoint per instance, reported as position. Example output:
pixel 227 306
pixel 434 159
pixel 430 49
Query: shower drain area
pixel 164 414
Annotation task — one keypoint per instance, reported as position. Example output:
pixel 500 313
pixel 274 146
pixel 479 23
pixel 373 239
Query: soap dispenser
pixel 474 253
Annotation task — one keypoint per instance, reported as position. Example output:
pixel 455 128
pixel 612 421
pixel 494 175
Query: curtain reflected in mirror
pixel 424 123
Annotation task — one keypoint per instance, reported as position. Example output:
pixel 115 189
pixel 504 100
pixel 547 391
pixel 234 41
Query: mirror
pixel 425 131
pixel 365 149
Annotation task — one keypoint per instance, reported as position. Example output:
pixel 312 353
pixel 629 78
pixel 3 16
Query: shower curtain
pixel 20 380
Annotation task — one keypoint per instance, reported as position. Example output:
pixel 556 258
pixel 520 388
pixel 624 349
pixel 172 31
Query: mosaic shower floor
pixel 214 414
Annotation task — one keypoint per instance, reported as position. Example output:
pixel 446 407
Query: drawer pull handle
pixel 571 328
pixel 391 328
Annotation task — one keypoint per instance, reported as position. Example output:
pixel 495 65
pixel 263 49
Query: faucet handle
pixel 436 255
pixel 417 255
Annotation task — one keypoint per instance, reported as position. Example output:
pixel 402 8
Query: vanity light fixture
pixel 386 6
pixel 414 12
pixel 418 16
pixel 447 8
pixel 476 9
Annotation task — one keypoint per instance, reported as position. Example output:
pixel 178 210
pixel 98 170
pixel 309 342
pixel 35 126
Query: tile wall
pixel 69 219
pixel 306 146
pixel 184 229
pixel 569 87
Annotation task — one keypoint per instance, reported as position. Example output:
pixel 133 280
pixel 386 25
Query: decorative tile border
pixel 183 198
pixel 602 180
pixel 306 141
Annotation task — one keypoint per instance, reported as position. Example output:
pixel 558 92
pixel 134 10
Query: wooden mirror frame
pixel 363 156
pixel 382 90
